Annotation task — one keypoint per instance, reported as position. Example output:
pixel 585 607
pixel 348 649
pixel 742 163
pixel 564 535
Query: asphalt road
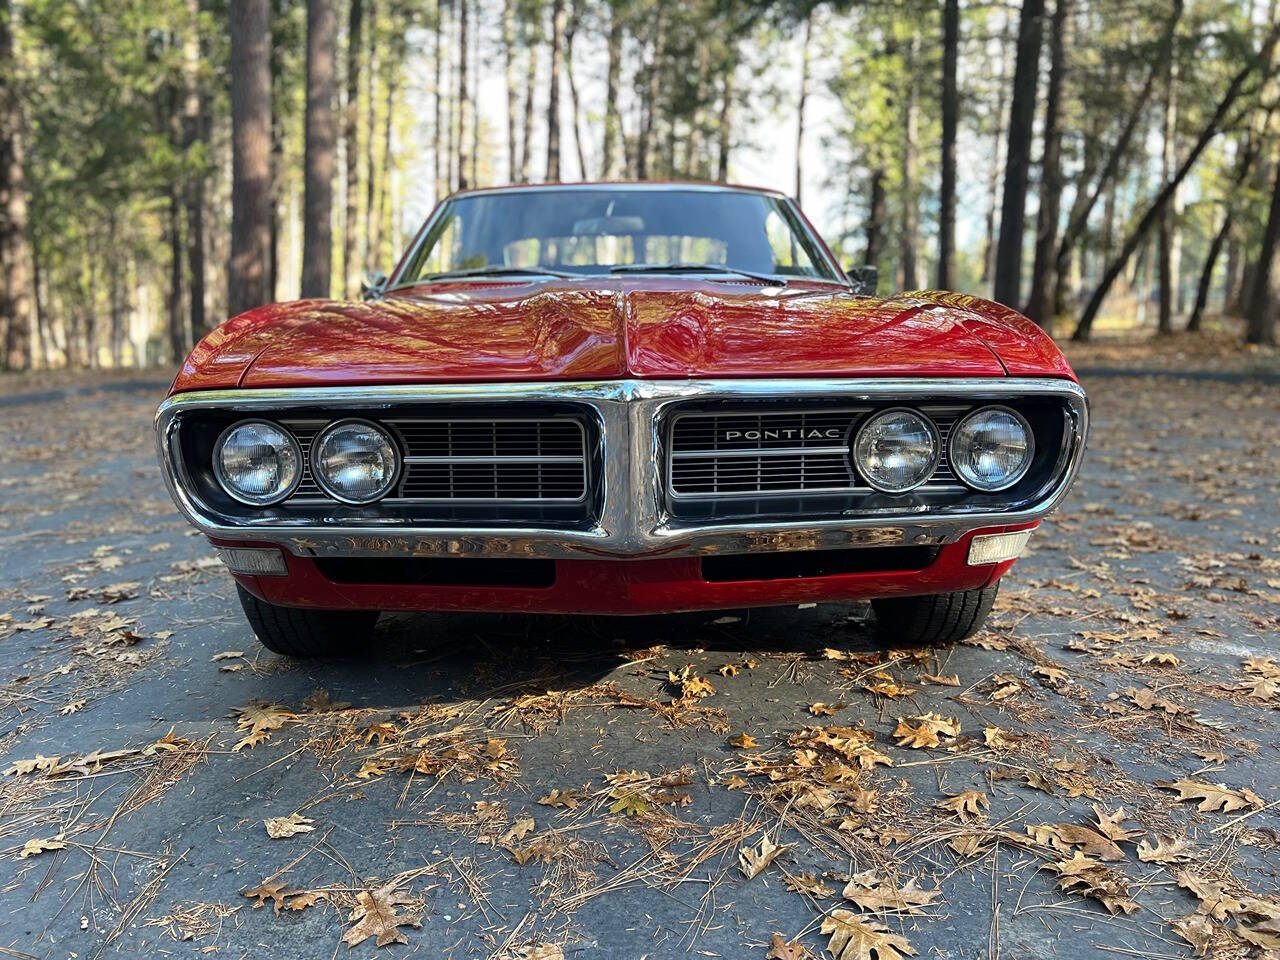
pixel 1119 657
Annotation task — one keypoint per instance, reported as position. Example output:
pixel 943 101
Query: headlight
pixel 896 451
pixel 991 449
pixel 355 462
pixel 257 462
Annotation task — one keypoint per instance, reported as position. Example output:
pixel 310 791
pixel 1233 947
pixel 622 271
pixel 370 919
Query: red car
pixel 620 399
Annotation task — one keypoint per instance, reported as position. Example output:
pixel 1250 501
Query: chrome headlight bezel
pixel 231 490
pixel 1013 479
pixel 323 482
pixel 857 461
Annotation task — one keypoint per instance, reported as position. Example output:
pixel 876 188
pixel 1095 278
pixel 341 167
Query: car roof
pixel 654 185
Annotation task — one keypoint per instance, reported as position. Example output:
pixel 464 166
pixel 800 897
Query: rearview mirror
pixel 372 285
pixel 865 279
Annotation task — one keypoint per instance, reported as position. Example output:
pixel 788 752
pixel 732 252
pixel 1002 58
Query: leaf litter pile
pixel 1094 774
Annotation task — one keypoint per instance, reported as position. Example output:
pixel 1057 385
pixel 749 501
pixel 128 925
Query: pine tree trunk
pixel 909 238
pixel 15 253
pixel 995 181
pixel 351 145
pixel 317 227
pixel 950 116
pixel 531 80
pixel 251 155
pixel 509 66
pixel 383 232
pixel 1026 74
pixel 726 117
pixel 875 218
pixel 1206 274
pixel 1264 298
pixel 191 136
pixel 612 123
pixel 464 98
pixel 553 93
pixel 437 133
pixel 1039 305
pixel 1168 272
pixel 800 105
pixel 574 104
pixel 372 65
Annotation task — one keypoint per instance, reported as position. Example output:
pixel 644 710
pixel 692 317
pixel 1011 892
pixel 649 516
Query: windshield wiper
pixel 696 268
pixel 494 271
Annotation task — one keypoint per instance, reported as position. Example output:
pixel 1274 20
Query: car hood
pixel 610 328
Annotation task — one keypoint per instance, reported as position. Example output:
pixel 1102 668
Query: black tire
pixel 934 620
pixel 305 633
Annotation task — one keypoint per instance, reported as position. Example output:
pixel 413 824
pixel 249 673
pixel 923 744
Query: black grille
pixel 470 460
pixel 787 452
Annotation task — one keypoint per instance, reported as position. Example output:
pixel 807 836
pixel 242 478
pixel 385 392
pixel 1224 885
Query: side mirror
pixel 372 285
pixel 865 279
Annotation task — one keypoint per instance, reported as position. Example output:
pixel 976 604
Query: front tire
pixel 934 620
pixel 304 633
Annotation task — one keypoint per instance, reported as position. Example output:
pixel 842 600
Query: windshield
pixel 584 232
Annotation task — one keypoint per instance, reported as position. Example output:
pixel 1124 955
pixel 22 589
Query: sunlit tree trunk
pixel 509 68
pixel 317 226
pixel 571 30
pixel 193 141
pixel 725 120
pixel 909 236
pixel 15 252
pixel 950 117
pixel 1264 298
pixel 1039 304
pixel 1168 268
pixel 553 92
pixel 875 218
pixel 612 123
pixel 251 154
pixel 530 79
pixel 994 181
pixel 464 98
pixel 351 143
pixel 800 105
pixel 437 133
pixel 1026 74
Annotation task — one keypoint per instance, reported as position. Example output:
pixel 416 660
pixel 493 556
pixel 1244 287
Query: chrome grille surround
pixel 634 518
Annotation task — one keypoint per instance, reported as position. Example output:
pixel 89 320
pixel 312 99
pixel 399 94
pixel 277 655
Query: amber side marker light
pixel 254 561
pixel 997 547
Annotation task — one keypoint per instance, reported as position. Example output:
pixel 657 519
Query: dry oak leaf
pixel 871 892
pixel 753 860
pixel 36 847
pixel 518 831
pixel 563 798
pixel 1168 849
pixel 1089 877
pixel 1213 796
pixel 946 680
pixel 281 828
pixel 259 718
pixel 308 898
pixel 1196 929
pixel 780 949
pixel 998 739
pixel 825 709
pixel 39 763
pixel 376 915
pixel 273 891
pixel 1053 676
pixel 855 939
pixel 319 702
pixel 1214 901
pixel 371 768
pixel 1111 825
pixel 542 951
pixel 743 741
pixel 1064 836
pixel 807 883
pixel 925 731
pixel 1265 935
pixel 888 687
pixel 383 732
pixel 967 805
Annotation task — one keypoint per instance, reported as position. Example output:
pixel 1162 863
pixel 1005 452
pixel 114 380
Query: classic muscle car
pixel 619 398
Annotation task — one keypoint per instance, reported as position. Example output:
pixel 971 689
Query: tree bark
pixel 1156 209
pixel 192 140
pixel 317 226
pixel 1039 307
pixel 875 218
pixel 251 154
pixel 1026 75
pixel 351 144
pixel 15 252
pixel 1264 298
pixel 530 80
pixel 726 117
pixel 178 341
pixel 1206 274
pixel 371 139
pixel 652 87
pixel 950 116
pixel 612 123
pixel 909 237
pixel 994 183
pixel 800 104
pixel 509 69
pixel 571 31
pixel 464 97
pixel 553 93
pixel 1168 269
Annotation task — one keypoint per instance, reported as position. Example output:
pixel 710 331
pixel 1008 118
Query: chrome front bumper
pixel 633 522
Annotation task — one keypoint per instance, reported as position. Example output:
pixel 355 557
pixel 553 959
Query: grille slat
pixel 475 460
pixel 780 452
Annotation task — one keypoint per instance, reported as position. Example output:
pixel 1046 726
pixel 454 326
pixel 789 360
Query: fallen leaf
pixel 281 828
pixel 807 883
pixel 1213 796
pixel 1064 836
pixel 1110 825
pixel 871 892
pixel 743 741
pixel 306 899
pixel 753 861
pixel 376 915
pixel 1214 900
pixel 1196 929
pixel 856 939
pixel 824 709
pixel 226 655
pixel 259 718
pixel 1168 849
pixel 925 731
pixel 967 805
pixel 949 680
pixel 568 799
pixel 36 847
pixel 518 831
pixel 780 949
pixel 1090 878
pixel 273 891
